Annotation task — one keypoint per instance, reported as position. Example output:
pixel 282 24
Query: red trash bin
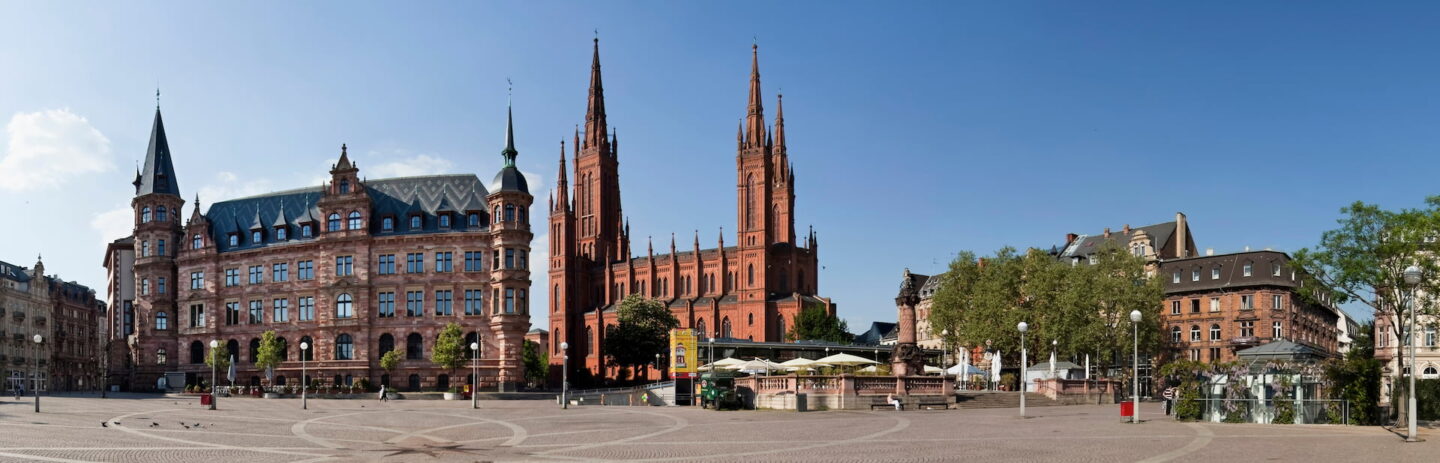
pixel 1127 408
pixel 205 399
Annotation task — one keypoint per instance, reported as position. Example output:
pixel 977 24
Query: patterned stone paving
pixel 156 429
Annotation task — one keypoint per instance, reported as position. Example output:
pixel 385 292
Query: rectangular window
pixel 282 311
pixel 1215 273
pixel 1275 330
pixel 474 261
pixel 524 259
pixel 1194 306
pixel 1214 354
pixel 474 302
pixel 387 304
pixel 160 248
pixel 443 262
pixel 1195 275
pixel 306 269
pixel 1176 277
pixel 495 262
pixel 1247 329
pixel 344 266
pixel 1247 302
pixel 414 303
pixel 280 272
pixel 1429 337
pixel 1214 332
pixel 1276 271
pixel 145 287
pixel 524 303
pixel 509 258
pixel 232 277
pixel 307 308
pixel 387 265
pixel 1174 307
pixel 1214 304
pixel 197 280
pixel 414 263
pixel 495 301
pixel 232 313
pixel 442 302
pixel 1248 267
pixel 160 285
pixel 1278 302
pixel 255 274
pixel 197 315
pixel 509 300
pixel 1195 334
pixel 1195 355
pixel 257 313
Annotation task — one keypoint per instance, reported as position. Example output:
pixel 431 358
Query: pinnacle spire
pixel 509 152
pixel 158 174
pixel 344 162
pixel 780 121
pixel 595 108
pixel 755 111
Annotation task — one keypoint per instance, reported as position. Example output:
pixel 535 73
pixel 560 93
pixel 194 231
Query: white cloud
pixel 422 164
pixel 228 185
pixel 113 224
pixel 48 148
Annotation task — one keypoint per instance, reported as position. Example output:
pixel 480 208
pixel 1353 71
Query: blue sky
pixel 917 130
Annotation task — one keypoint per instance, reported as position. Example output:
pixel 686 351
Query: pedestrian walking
pixel 1169 395
pixel 383 398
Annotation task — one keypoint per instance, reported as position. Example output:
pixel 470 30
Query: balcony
pixel 39 321
pixel 18 316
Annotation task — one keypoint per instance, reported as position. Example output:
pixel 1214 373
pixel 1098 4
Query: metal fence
pixel 1255 410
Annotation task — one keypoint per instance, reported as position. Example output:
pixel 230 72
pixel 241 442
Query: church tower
pixel 510 201
pixel 156 235
pixel 756 205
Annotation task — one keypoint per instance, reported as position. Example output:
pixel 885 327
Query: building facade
pixel 25 311
pixel 353 269
pixel 750 290
pixel 1219 304
pixel 75 353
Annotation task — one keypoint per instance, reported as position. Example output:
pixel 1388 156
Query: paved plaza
pixel 161 429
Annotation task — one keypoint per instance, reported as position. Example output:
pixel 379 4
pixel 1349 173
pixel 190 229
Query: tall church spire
pixel 509 152
pixel 755 111
pixel 780 122
pixel 158 174
pixel 562 185
pixel 595 109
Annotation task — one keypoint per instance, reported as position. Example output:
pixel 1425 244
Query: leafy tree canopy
pixel 643 331
pixel 449 352
pixel 814 323
pixel 537 362
pixel 269 353
pixel 391 360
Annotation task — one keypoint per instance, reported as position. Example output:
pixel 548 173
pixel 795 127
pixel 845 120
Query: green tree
pixel 815 323
pixel 269 354
pixel 1364 261
pixel 219 357
pixel 391 360
pixel 449 352
pixel 643 331
pixel 1355 378
pixel 537 363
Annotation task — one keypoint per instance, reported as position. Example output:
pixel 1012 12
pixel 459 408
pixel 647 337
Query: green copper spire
pixel 509 152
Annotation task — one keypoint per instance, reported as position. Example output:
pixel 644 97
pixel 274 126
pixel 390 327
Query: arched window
pixel 354 220
pixel 145 214
pixel 749 202
pixel 1175 334
pixel 442 382
pixel 343 306
pixel 233 347
pixel 555 299
pixel 162 321
pixel 589 340
pixel 306 231
pixel 196 242
pixel 387 344
pixel 415 222
pixel 333 222
pixel 1215 332
pixel 160 214
pixel 1429 373
pixel 496 215
pixel 1194 333
pixel 474 219
pixel 700 326
pixel 725 327
pixel 197 352
pixel 284 350
pixel 751 322
pixel 414 347
pixel 344 349
pixel 750 275
pixel 387 223
pixel 254 350
pixel 308 354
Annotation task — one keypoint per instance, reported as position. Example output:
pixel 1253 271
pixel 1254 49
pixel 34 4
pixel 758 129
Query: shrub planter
pixel 451 396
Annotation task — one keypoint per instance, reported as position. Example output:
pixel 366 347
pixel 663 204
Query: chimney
pixel 1182 236
pixel 1070 238
pixel 1107 232
pixel 1209 251
pixel 1125 230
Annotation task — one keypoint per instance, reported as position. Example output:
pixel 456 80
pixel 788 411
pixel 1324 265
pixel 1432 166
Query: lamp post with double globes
pixel 1412 280
pixel 1135 317
pixel 213 360
pixel 304 379
pixel 1023 327
pixel 36 374
pixel 564 375
pixel 475 375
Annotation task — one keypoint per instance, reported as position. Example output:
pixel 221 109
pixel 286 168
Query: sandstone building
pixel 65 315
pixel 750 290
pixel 355 268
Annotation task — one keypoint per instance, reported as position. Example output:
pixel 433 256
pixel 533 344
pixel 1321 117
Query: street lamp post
pixel 564 375
pixel 659 375
pixel 475 375
pixel 38 340
pixel 1135 316
pixel 945 355
pixel 1412 279
pixel 304 381
pixel 213 381
pixel 1023 327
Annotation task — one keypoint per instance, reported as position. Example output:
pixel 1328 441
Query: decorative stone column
pixel 906 358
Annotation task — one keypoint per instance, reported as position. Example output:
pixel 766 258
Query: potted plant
pixel 453 393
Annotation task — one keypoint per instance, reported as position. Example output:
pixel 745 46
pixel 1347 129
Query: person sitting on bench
pixel 890 399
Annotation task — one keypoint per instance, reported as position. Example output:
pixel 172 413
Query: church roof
pixel 392 197
pixel 158 173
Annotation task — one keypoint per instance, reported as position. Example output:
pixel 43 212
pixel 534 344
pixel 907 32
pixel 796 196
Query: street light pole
pixel 474 375
pixel 1412 279
pixel 213 381
pixel 1135 317
pixel 304 382
pixel 564 375
pixel 1023 327
pixel 38 340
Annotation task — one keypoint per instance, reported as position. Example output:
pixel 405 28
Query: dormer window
pixel 333 222
pixel 145 214
pixel 196 242
pixel 415 222
pixel 387 224
pixel 234 239
pixel 255 237
pixel 280 233
pixel 160 214
pixel 474 219
pixel 344 186
pixel 307 231
pixel 444 220
pixel 1248 267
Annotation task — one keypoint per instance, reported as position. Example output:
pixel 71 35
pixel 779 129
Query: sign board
pixel 683 353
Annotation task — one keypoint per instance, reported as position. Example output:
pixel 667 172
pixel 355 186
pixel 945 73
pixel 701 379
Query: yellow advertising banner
pixel 683 353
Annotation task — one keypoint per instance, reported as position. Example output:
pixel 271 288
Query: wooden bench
pixel 879 402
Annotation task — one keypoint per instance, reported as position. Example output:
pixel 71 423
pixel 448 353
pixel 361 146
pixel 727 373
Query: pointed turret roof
pixel 158 174
pixel 755 111
pixel 595 107
pixel 509 178
pixel 780 121
pixel 344 163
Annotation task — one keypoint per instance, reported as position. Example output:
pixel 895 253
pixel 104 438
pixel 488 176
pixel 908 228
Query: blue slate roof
pixel 158 175
pixel 399 198
pixel 13 272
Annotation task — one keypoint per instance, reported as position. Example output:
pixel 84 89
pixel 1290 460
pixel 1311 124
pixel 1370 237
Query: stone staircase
pixel 976 400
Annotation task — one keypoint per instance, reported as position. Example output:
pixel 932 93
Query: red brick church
pixel 750 290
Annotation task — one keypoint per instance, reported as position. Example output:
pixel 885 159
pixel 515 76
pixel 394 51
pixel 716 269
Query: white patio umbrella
pixel 1052 364
pixel 869 369
pixel 995 367
pixel 756 366
pixel 799 364
pixel 846 360
pixel 929 370
pixel 964 365
pixel 722 363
